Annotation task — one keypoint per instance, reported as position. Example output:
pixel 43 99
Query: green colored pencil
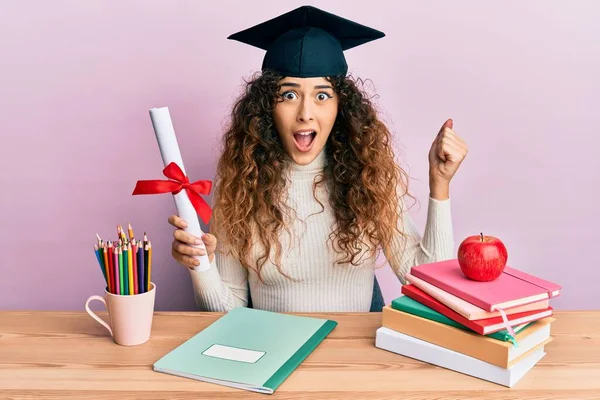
pixel 126 270
pixel 121 277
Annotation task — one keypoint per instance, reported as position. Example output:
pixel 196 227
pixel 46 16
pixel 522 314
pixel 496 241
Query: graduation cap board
pixel 307 42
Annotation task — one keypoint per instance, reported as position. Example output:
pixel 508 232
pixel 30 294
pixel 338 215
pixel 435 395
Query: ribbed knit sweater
pixel 319 284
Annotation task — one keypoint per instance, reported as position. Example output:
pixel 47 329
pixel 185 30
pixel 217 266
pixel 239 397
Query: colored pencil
pixel 96 253
pixel 133 268
pixel 111 269
pixel 132 272
pixel 106 267
pixel 122 272
pixel 130 230
pixel 146 266
pixel 117 288
pixel 126 271
pixel 126 263
pixel 123 234
pixel 140 265
pixel 100 262
pixel 149 263
pixel 103 262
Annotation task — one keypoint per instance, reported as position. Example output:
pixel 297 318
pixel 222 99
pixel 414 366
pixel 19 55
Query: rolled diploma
pixel 169 150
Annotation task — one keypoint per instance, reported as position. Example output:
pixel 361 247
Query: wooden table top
pixel 69 355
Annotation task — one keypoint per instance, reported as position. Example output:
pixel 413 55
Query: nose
pixel 305 112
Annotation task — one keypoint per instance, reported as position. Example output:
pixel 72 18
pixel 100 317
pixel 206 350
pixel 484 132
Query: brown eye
pixel 322 96
pixel 289 95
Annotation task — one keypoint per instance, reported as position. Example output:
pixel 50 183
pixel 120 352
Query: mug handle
pixel 97 318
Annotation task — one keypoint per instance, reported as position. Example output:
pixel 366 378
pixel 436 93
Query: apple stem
pixel 481 233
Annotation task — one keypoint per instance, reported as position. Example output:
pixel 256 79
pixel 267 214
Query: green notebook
pixel 247 349
pixel 411 306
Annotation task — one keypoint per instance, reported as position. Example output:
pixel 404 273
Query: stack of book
pixel 494 330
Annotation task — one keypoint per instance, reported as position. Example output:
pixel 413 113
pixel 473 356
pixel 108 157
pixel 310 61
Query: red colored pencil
pixel 104 255
pixel 111 268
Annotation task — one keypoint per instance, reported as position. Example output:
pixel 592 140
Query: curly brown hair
pixel 364 181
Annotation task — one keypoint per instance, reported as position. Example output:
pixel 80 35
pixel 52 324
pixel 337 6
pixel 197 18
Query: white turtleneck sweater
pixel 320 285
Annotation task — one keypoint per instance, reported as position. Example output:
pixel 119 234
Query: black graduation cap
pixel 307 42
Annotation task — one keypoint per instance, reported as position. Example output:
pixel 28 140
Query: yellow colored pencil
pixel 130 268
pixel 130 230
pixel 122 234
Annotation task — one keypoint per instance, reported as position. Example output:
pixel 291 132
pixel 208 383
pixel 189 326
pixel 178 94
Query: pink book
pixel 466 309
pixel 512 288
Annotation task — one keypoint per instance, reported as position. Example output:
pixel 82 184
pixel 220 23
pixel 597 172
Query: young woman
pixel 308 192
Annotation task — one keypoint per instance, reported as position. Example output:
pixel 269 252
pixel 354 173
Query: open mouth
pixel 304 140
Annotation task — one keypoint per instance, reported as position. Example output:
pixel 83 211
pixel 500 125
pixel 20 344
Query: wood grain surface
pixel 60 355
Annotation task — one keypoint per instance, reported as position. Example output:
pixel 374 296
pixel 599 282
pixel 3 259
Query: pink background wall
pixel 519 78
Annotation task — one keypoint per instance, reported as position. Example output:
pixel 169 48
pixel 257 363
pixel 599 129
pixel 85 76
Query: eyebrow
pixel 292 84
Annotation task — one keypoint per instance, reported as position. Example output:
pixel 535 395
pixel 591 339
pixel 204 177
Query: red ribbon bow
pixel 177 183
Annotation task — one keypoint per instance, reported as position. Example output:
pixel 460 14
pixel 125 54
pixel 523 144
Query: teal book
pixel 248 349
pixel 411 306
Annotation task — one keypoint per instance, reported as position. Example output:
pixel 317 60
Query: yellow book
pixel 497 352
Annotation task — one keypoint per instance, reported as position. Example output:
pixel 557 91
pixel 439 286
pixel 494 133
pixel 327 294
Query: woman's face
pixel 304 116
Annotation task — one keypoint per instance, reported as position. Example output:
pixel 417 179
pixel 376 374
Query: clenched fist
pixel 447 153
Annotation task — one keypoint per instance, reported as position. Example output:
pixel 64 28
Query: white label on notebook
pixel 233 353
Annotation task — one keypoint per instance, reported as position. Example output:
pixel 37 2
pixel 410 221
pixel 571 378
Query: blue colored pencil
pixel 100 260
pixel 140 265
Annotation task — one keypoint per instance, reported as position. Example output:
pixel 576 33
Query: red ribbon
pixel 177 183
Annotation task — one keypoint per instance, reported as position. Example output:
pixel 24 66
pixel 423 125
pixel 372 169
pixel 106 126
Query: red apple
pixel 482 258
